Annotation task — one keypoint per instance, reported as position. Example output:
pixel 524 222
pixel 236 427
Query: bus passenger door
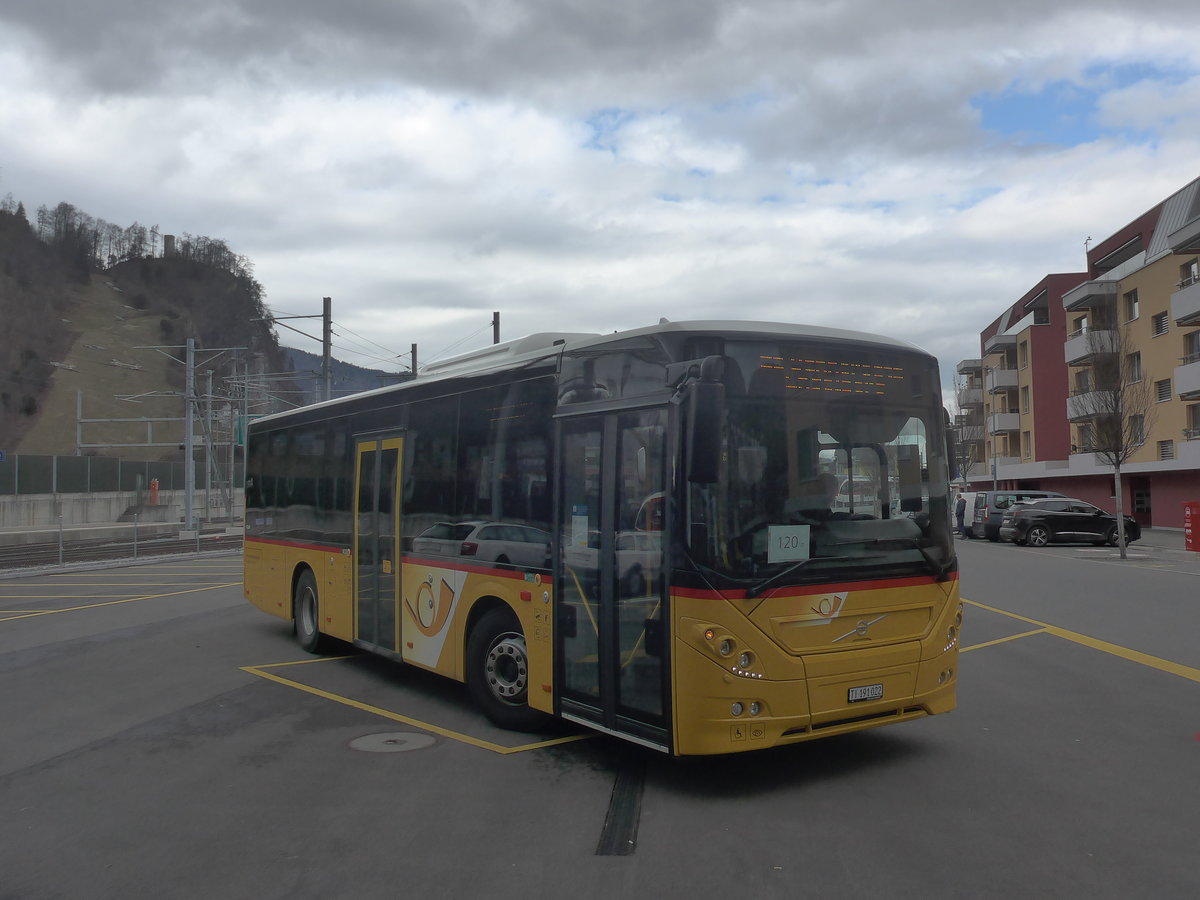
pixel 611 590
pixel 376 542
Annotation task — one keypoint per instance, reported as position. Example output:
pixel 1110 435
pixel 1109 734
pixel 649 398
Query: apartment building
pixel 1028 416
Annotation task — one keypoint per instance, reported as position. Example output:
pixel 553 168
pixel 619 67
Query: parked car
pixel 990 507
pixel 1063 520
pixel 496 542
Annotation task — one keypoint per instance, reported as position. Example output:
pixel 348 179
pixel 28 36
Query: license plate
pixel 866 692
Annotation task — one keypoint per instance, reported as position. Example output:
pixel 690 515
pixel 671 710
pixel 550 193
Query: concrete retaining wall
pixel 43 510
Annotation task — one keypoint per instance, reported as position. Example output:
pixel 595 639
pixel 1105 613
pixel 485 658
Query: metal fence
pixel 30 474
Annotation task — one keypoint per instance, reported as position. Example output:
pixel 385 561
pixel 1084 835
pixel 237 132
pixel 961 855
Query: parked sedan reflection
pixel 502 543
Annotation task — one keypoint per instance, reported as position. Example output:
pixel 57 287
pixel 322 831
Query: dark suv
pixel 1060 520
pixel 984 520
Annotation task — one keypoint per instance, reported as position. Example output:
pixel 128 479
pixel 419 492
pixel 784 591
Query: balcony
pixel 1187 379
pixel 1089 295
pixel 970 434
pixel 1088 343
pixel 998 343
pixel 999 423
pixel 1185 239
pixel 1087 405
pixel 1185 304
pixel 969 366
pixel 970 396
pixel 1001 380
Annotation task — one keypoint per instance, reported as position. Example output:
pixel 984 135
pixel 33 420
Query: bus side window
pixel 430 481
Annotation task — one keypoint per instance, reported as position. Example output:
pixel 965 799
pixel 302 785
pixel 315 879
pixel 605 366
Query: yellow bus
pixel 633 531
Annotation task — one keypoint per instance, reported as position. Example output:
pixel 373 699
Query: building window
pixel 1131 306
pixel 1192 431
pixel 1137 429
pixel 1087 439
pixel 1160 324
pixel 1191 347
pixel 1166 449
pixel 1025 400
pixel 1023 352
pixel 1162 390
pixel 1133 368
pixel 1189 272
pixel 1026 445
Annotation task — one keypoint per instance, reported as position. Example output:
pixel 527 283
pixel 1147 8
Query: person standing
pixel 960 512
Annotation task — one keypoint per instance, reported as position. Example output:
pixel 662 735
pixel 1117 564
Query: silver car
pixel 502 543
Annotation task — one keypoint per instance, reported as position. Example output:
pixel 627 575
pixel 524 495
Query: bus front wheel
pixel 306 613
pixel 498 672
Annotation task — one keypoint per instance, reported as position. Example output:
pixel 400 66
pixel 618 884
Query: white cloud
pixel 591 167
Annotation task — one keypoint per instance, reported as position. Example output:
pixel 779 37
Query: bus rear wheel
pixel 498 672
pixel 306 617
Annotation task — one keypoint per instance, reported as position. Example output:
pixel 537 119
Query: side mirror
pixel 706 411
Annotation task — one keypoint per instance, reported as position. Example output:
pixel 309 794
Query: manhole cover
pixel 392 742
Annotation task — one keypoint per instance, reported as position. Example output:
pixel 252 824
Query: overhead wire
pixel 459 343
pixel 393 356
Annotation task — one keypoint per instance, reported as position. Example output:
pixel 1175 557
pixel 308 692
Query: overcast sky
pixel 907 167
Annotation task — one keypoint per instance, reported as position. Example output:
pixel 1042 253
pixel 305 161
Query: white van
pixel 968 515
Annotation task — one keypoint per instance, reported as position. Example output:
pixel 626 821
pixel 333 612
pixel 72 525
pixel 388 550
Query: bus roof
pixel 522 349
pixel 543 345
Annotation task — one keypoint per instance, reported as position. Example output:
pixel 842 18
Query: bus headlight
pixel 745 659
pixel 726 647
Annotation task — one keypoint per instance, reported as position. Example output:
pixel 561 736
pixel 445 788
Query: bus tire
pixel 306 613
pixel 498 672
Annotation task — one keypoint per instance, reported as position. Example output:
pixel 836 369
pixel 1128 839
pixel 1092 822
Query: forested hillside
pixel 82 301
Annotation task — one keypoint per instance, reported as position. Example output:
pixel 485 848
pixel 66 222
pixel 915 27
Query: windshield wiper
pixel 936 566
pixel 939 568
pixel 767 583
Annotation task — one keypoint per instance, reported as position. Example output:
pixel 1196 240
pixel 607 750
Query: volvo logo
pixel 861 628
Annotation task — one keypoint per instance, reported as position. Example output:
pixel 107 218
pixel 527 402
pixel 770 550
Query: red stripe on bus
pixel 299 545
pixel 518 574
pixel 699 593
pixel 804 590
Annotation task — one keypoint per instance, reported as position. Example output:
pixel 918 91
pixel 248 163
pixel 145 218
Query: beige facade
pixel 1136 312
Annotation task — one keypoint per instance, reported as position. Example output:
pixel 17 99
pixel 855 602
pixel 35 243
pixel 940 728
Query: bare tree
pixel 1120 406
pixel 968 449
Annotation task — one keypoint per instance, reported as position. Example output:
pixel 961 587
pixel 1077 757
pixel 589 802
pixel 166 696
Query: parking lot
pixel 163 738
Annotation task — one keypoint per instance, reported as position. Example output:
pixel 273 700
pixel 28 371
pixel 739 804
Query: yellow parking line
pixel 1004 640
pixel 1137 656
pixel 48 612
pixel 57 596
pixel 397 717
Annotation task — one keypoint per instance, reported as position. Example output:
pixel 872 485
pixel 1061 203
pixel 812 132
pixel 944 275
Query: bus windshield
pixel 833 466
